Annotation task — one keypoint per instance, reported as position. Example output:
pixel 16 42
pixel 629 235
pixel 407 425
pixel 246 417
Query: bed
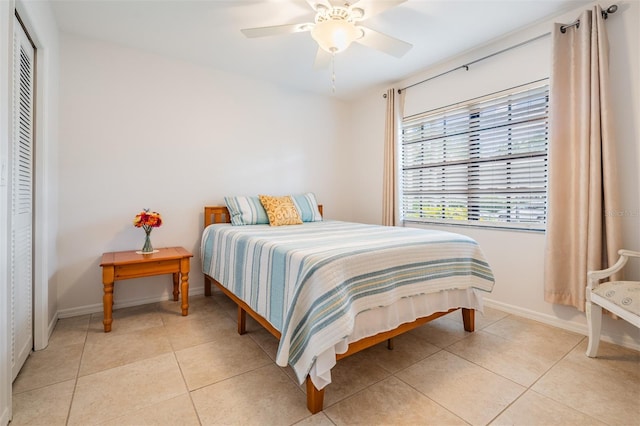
pixel 329 289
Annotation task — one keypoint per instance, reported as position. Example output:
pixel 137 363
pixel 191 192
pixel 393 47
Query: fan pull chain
pixel 333 72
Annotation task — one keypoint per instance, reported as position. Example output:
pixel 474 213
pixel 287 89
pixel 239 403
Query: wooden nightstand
pixel 123 265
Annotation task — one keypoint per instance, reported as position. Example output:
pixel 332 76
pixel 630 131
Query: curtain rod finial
pixel 611 9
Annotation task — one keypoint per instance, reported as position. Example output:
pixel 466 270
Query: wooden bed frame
pixel 315 397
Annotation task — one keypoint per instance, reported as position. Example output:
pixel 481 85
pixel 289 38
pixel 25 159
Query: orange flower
pixel 147 220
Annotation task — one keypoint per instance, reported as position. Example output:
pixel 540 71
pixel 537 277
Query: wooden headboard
pixel 220 214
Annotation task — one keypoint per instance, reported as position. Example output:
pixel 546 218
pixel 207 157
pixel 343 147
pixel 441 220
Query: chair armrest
pixel 629 253
pixel 593 277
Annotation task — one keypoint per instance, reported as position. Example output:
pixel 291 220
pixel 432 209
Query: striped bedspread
pixel 310 281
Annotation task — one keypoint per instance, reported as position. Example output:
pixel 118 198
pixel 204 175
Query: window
pixel 482 162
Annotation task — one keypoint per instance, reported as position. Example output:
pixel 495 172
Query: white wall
pixel 139 130
pixel 517 258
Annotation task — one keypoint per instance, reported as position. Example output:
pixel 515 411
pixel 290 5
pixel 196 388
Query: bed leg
pixel 468 318
pixel 242 320
pixel 315 397
pixel 207 286
pixel 390 344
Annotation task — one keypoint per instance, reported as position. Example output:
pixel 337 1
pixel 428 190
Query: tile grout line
pixel 186 385
pixel 175 357
pixel 527 389
pixel 420 392
pixel 394 374
pixel 486 369
pixel 100 330
pixel 75 382
pixel 530 387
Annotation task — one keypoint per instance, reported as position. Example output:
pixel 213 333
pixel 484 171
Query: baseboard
pixel 95 308
pixel 4 418
pixel 552 320
pixel 52 326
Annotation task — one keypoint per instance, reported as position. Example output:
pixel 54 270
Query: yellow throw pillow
pixel 280 210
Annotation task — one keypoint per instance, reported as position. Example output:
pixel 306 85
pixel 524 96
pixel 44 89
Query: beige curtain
pixel 581 235
pixel 389 172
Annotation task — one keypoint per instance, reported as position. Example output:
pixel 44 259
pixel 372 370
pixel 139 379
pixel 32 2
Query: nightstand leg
pixel 185 293
pixel 108 278
pixel 107 302
pixel 176 281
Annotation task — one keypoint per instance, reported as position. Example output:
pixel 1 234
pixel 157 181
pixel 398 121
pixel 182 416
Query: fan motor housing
pixel 334 14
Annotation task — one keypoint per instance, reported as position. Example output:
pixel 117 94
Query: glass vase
pixel 147 247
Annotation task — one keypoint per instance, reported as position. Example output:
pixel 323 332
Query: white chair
pixel 621 298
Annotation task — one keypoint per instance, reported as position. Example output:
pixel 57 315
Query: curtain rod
pixel 576 23
pixel 466 66
pixel 605 14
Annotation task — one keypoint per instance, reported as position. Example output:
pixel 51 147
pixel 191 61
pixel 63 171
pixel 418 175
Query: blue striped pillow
pixel 307 206
pixel 246 210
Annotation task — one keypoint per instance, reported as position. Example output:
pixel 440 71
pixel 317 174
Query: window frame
pixel 526 146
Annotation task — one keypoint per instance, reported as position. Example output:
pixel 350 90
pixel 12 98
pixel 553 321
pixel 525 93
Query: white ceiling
pixel 207 32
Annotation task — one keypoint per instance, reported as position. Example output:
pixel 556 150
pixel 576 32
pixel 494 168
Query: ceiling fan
pixel 337 25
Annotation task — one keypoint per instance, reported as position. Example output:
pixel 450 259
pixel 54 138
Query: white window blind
pixel 481 162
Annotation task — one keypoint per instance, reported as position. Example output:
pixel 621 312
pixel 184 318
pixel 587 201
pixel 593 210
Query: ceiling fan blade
pixel 384 43
pixel 323 59
pixel 276 30
pixel 374 7
pixel 314 4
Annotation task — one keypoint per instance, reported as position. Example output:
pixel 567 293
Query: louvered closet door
pixel 21 226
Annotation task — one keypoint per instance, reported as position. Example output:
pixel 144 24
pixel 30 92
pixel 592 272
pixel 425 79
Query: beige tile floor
pixel 159 368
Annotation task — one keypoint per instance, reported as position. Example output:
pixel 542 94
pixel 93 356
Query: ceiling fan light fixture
pixel 357 13
pixel 335 35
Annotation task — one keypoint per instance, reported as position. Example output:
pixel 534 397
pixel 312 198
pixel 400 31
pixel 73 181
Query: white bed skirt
pixel 385 318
